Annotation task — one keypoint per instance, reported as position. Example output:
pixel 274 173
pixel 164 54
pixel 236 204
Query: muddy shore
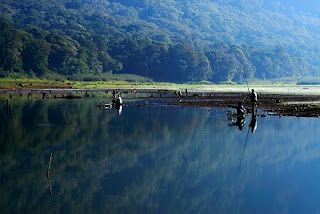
pixel 268 104
pixel 271 103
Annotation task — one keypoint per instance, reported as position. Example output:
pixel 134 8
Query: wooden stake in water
pixel 48 174
pixel 8 108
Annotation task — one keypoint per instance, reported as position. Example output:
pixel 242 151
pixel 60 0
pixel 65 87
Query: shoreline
pixel 192 88
pixel 300 101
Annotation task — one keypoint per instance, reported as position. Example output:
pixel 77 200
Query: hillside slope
pixel 169 40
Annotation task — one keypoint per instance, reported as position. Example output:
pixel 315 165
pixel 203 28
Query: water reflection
pixel 253 123
pixel 154 160
pixel 239 122
pixel 119 109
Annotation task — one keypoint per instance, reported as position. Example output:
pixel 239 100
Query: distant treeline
pixel 136 37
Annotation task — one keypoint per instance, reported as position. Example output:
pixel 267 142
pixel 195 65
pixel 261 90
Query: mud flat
pixel 270 104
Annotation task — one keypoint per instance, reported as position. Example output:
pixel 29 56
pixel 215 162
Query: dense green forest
pixel 169 40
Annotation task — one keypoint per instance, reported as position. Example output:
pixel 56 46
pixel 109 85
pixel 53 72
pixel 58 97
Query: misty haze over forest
pixel 167 40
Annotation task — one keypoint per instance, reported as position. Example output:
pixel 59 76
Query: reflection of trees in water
pixel 155 159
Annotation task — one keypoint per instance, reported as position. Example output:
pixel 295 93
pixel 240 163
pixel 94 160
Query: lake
pixel 67 156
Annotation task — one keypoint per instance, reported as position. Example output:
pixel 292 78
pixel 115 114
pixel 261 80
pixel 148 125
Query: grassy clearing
pixel 52 80
pixel 262 87
pixel 25 83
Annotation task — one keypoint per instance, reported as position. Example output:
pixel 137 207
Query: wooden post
pixel 48 174
pixel 8 108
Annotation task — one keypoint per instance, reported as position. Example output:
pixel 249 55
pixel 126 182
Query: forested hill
pixel 167 40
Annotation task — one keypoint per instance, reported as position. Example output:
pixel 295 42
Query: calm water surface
pixel 154 159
